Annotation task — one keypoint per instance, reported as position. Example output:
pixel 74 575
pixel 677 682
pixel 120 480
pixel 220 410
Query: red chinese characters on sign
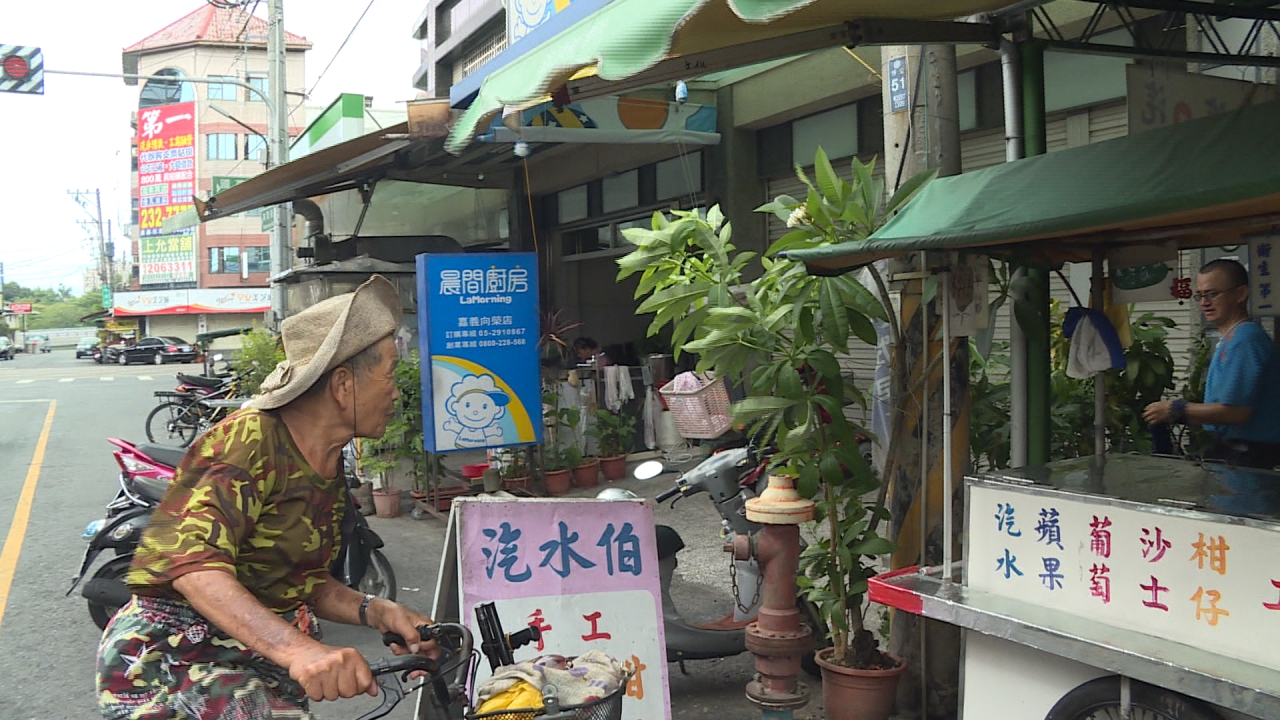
pixel 1154 545
pixel 1100 582
pixel 1100 537
pixel 596 633
pixel 1155 588
pixel 166 164
pixel 536 620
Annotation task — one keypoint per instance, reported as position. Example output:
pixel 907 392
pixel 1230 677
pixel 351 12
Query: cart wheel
pixel 1100 700
pixel 416 513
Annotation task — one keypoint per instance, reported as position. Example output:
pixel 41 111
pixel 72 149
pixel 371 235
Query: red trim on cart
pixel 886 593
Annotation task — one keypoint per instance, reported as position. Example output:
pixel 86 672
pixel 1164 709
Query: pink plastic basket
pixel 701 414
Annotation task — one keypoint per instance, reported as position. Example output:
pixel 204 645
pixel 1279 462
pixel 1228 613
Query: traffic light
pixel 21 69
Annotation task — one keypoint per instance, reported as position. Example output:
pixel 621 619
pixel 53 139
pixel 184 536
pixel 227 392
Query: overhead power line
pixel 344 44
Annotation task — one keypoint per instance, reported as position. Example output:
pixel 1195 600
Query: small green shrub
pixel 260 350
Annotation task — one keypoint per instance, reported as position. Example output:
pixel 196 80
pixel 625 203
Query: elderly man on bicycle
pixel 233 568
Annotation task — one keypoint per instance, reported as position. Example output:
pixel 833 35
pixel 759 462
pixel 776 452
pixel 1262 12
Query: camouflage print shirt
pixel 244 501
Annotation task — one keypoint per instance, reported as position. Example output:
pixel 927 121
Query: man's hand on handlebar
pixel 328 673
pixel 390 617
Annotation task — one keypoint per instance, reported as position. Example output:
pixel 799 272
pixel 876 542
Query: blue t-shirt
pixel 1245 371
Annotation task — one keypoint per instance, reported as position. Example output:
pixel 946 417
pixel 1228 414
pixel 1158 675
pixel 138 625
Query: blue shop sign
pixel 478 332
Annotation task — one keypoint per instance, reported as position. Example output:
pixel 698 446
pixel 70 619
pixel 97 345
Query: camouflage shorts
pixel 161 660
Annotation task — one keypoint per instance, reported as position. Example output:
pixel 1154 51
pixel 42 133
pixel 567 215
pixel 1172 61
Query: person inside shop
pixel 589 351
pixel 1241 405
pixel 232 571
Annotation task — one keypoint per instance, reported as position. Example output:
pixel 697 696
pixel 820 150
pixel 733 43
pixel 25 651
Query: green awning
pixel 622 38
pixel 1198 184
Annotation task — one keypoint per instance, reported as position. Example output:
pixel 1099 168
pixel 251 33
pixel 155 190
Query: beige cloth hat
pixel 326 335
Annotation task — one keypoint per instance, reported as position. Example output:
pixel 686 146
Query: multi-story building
pixel 199 138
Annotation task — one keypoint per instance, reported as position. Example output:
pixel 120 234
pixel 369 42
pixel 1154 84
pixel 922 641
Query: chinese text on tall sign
pixel 478 331
pixel 1262 282
pixel 167 259
pixel 166 164
pixel 585 572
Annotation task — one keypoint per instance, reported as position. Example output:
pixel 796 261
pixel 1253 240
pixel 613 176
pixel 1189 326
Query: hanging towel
pixel 617 387
pixel 1095 347
pixel 651 408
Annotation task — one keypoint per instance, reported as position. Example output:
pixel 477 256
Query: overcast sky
pixel 76 136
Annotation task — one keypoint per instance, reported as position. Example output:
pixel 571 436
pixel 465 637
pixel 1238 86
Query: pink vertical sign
pixel 585 571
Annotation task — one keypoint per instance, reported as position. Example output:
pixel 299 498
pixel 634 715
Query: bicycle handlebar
pixel 667 495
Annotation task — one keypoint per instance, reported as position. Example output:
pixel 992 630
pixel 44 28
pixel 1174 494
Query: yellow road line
pixel 22 514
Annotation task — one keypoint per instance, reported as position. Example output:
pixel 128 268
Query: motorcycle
pixel 145 473
pixel 730 478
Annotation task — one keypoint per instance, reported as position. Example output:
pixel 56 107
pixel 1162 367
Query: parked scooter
pixel 145 473
pixel 730 478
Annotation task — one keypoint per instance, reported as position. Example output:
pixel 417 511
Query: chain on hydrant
pixel 778 638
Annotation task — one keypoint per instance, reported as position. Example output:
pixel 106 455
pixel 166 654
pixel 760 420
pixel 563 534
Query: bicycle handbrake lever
pixel 392 694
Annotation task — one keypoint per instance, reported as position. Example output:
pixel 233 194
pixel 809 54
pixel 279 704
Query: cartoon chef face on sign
pixel 475 406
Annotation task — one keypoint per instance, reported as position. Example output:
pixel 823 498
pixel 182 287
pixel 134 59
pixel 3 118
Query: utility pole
pixel 95 219
pixel 278 136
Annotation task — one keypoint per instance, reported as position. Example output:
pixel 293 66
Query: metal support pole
pixel 1096 299
pixel 947 539
pixel 104 270
pixel 278 135
pixel 1011 73
pixel 1037 339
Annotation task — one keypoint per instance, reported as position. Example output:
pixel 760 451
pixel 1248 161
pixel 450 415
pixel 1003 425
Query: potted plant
pixel 780 337
pixel 615 436
pixel 380 461
pixel 586 471
pixel 514 467
pixel 400 450
pixel 560 454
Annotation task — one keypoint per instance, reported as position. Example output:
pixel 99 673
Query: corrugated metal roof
pixel 214 26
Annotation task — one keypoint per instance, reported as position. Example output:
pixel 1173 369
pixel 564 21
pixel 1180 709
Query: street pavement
pixel 48 642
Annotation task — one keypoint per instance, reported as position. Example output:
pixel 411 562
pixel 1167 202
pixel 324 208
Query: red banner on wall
pixel 166 163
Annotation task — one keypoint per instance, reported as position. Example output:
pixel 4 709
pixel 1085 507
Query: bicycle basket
pixel 608 707
pixel 701 414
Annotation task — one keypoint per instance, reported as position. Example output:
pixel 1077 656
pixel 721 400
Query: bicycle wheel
pixel 1100 700
pixel 173 423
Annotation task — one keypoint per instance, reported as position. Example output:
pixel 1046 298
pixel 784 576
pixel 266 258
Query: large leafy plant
pixel 403 439
pixel 780 335
pixel 260 351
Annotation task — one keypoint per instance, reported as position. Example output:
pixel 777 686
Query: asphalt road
pixel 48 642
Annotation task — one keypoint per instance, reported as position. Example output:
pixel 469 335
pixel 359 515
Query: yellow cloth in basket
pixel 521 696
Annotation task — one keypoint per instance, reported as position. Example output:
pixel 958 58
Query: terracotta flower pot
pixel 613 468
pixel 587 475
pixel 387 503
pixel 516 483
pixel 558 481
pixel 418 494
pixel 852 694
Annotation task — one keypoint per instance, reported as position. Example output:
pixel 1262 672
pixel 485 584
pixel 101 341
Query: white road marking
pixel 66 379
pixel 24 382
pixel 145 377
pixel 107 378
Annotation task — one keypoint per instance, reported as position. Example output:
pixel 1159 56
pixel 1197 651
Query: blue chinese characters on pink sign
pixel 478 333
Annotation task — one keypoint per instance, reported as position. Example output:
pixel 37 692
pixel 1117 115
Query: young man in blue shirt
pixel 1242 390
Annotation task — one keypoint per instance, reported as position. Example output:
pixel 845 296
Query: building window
pixel 258 259
pixel 259 82
pixel 620 192
pixel 253 145
pixel 835 131
pixel 165 92
pixel 479 53
pixel 224 261
pixel 220 146
pixel 223 91
pixel 572 204
pixel 679 177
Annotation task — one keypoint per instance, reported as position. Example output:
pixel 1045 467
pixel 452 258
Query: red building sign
pixel 166 163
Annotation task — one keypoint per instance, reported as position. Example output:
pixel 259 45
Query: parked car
pixel 86 347
pixel 158 350
pixel 6 348
pixel 39 343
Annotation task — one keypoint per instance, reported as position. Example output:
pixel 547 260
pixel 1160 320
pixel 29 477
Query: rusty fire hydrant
pixel 778 638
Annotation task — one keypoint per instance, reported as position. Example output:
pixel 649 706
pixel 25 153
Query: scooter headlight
pixel 92 529
pixel 122 532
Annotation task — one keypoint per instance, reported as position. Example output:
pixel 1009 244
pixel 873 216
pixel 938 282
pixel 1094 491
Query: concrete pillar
pixel 733 177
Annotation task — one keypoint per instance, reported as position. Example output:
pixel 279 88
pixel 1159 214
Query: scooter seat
pixel 669 541
pixel 200 380
pixel 163 454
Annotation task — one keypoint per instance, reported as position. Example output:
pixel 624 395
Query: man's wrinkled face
pixel 376 393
